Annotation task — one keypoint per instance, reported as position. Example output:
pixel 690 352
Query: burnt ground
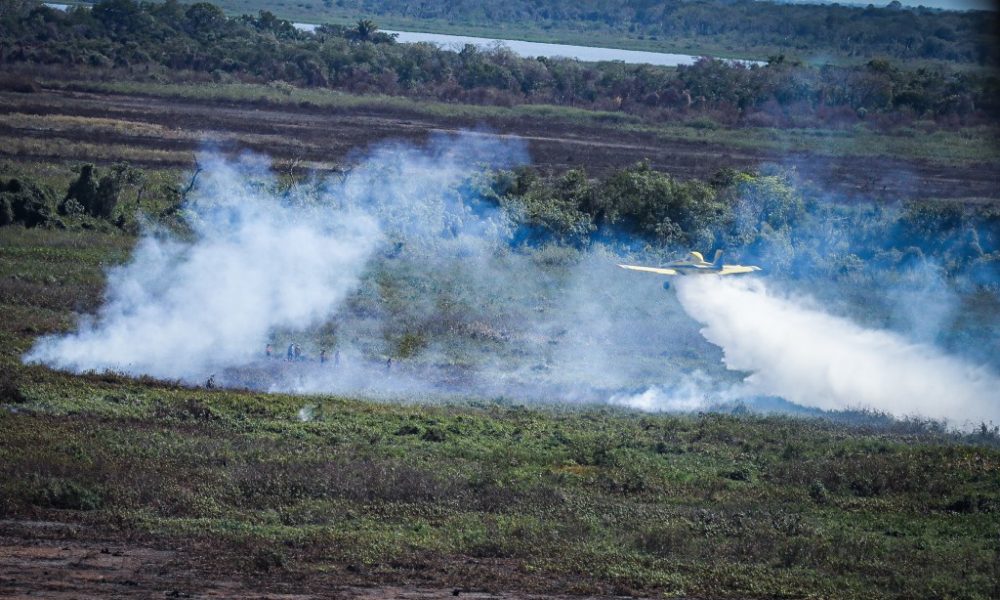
pixel 47 559
pixel 328 138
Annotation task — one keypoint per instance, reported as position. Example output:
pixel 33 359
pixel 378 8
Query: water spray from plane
pixel 795 350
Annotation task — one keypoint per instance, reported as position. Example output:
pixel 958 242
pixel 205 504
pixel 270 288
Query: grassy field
pixel 480 494
pixel 932 144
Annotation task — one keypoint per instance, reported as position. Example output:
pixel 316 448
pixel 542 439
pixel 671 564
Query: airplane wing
pixel 737 269
pixel 656 270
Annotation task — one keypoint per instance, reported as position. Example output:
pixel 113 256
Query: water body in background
pixel 536 49
pixel 525 49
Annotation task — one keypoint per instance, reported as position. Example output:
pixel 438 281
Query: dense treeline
pixel 172 40
pixel 809 30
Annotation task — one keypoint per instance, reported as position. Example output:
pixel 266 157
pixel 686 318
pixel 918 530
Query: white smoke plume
pixel 257 261
pixel 798 352
pixel 183 309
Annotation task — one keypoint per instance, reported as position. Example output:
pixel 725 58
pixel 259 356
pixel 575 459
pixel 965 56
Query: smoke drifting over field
pixel 179 309
pixel 402 259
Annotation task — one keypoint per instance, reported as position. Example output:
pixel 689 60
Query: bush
pixel 83 191
pixel 71 208
pixel 819 493
pixel 68 495
pixel 410 344
pixel 24 202
pixel 96 194
pixel 267 560
pixel 10 392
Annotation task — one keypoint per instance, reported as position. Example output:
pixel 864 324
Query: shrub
pixel 71 208
pixel 24 202
pixel 743 472
pixel 819 493
pixel 67 495
pixel 434 434
pixel 268 559
pixel 97 194
pixel 10 393
pixel 83 191
pixel 410 344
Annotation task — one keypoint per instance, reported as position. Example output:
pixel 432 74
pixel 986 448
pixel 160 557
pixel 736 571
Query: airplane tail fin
pixel 715 260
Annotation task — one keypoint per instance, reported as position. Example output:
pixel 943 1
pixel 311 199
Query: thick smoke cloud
pixel 798 352
pixel 181 309
pixel 257 261
pixel 414 287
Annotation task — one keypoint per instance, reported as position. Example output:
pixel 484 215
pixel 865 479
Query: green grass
pixel 609 501
pixel 482 493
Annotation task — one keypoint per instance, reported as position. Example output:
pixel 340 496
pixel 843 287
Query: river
pixel 535 49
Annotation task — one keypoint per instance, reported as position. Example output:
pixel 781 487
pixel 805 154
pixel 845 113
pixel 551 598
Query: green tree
pixel 364 30
pixel 651 203
pixel 205 21
pixel 123 18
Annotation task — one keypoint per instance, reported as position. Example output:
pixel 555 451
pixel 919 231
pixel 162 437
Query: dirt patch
pixel 44 559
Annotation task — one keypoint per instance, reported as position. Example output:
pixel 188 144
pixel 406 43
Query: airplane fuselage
pixel 695 264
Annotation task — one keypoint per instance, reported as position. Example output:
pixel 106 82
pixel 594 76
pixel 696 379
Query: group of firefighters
pixel 294 354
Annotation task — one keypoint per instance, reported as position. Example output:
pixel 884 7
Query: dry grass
pixel 66 148
pixel 61 123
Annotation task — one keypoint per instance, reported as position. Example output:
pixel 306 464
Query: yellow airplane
pixel 694 264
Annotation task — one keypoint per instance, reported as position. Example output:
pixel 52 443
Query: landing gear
pixel 666 285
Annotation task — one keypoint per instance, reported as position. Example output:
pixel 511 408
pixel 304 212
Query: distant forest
pixel 124 39
pixel 806 29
